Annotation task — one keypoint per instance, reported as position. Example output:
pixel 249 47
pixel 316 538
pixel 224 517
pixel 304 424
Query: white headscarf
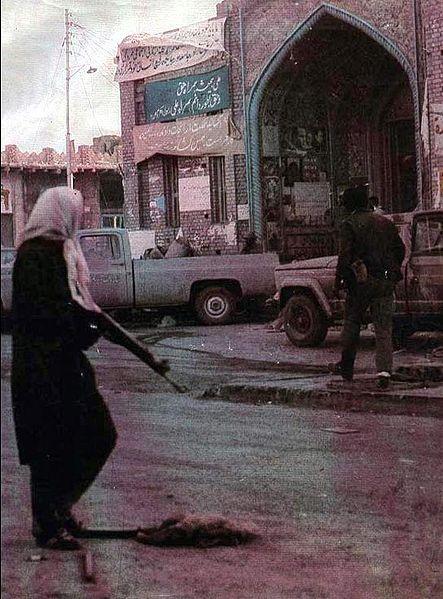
pixel 57 214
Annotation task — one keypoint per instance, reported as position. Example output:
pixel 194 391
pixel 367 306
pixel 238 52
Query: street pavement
pixel 264 366
pixel 347 504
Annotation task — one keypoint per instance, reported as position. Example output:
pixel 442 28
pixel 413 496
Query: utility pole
pixel 68 76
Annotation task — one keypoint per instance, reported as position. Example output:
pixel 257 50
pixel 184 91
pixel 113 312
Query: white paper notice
pixel 194 193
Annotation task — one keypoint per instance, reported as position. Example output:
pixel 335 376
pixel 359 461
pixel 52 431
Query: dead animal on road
pixel 196 531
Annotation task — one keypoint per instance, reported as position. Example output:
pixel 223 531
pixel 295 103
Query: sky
pixel 33 63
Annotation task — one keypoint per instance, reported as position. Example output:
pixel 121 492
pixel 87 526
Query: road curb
pixel 405 402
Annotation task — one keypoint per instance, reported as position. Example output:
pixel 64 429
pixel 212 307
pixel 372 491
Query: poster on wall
pixel 194 136
pixel 194 193
pixel 437 125
pixel 439 200
pixel 270 141
pixel 144 55
pixel 187 96
pixel 310 199
pixel 243 212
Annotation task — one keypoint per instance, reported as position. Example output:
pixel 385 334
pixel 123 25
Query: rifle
pixel 121 337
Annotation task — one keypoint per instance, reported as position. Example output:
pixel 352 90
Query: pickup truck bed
pixel 211 285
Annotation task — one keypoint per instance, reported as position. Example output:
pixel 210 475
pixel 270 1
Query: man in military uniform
pixel 371 253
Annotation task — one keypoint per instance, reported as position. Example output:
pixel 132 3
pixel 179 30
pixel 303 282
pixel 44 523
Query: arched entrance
pixel 336 106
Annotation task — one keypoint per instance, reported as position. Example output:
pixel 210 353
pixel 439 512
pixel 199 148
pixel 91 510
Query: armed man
pixel 371 253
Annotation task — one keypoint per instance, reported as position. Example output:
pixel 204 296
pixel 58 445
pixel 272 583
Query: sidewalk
pixel 306 380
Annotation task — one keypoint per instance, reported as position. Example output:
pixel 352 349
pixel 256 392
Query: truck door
pixel 111 270
pixel 425 269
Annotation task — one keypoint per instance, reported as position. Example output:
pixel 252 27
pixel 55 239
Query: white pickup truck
pixel 309 305
pixel 212 285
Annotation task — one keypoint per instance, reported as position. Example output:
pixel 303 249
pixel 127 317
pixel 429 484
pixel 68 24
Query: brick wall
pixel 267 23
pixel 144 183
pixel 130 174
pixel 25 187
pixel 196 225
pixel 433 38
pixel 88 185
pixel 13 181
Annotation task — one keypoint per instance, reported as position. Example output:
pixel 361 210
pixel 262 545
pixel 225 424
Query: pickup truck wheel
pixel 304 322
pixel 215 305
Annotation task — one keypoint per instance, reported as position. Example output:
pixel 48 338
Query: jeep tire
pixel 304 322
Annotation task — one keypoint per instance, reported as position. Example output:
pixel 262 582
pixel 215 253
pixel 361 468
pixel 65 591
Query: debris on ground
pixel 341 431
pixel 196 531
pixel 166 321
pixel 87 566
pixel 36 557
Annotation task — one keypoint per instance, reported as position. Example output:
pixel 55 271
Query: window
pixel 113 221
pixel 429 236
pixel 170 182
pixel 99 248
pixel 219 209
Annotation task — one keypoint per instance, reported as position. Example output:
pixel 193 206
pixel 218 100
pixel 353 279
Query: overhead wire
pixel 90 105
pixel 109 72
pixel 103 70
pixel 95 39
pixel 50 95
pixel 86 55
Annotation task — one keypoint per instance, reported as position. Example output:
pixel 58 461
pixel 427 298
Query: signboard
pixel 194 193
pixel 187 96
pixel 310 199
pixel 195 136
pixel 145 55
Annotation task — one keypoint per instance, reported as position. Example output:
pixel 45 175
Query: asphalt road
pixel 354 512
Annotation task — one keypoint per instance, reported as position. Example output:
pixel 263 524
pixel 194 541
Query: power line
pixel 98 69
pixel 51 90
pixel 109 71
pixel 95 39
pixel 90 105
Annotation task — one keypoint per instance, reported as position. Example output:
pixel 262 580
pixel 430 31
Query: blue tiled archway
pixel 258 89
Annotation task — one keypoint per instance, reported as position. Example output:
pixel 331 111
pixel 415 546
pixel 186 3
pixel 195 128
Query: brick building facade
pixel 96 173
pixel 324 96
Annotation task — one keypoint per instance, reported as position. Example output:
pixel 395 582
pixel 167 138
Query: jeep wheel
pixel 304 322
pixel 215 305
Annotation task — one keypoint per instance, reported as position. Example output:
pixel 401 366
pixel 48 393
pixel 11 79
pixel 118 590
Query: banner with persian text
pixel 194 136
pixel 187 96
pixel 145 55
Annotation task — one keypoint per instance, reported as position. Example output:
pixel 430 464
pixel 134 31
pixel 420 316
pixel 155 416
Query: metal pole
pixel 68 76
pixel 245 124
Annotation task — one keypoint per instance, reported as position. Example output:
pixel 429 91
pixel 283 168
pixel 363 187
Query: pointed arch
pixel 252 125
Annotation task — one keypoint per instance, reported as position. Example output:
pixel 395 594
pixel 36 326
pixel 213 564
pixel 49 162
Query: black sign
pixel 187 96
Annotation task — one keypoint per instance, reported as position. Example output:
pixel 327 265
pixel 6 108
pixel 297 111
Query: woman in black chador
pixel 63 428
